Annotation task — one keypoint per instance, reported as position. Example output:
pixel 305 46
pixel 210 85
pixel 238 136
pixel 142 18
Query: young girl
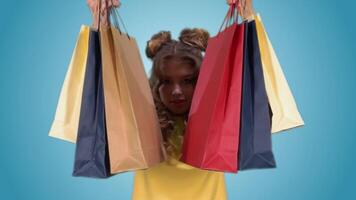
pixel 174 73
pixel 173 77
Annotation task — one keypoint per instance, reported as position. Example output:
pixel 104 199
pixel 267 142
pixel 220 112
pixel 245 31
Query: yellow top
pixel 175 180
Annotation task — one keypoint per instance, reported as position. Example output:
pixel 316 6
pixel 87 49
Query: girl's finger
pixel 116 3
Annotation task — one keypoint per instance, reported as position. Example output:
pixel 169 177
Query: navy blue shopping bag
pixel 91 155
pixel 255 149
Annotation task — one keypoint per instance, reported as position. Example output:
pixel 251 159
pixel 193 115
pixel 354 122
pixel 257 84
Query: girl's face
pixel 177 85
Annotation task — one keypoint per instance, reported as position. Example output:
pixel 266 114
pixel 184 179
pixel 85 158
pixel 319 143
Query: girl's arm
pixel 104 13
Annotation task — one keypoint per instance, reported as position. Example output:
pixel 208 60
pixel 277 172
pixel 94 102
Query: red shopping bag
pixel 212 132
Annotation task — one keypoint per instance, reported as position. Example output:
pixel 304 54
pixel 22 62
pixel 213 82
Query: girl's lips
pixel 178 102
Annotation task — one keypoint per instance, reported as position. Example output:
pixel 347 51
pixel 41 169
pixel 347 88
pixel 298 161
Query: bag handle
pixel 115 16
pixel 231 16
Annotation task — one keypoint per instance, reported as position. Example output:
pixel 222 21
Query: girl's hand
pixel 104 14
pixel 230 1
pixel 246 7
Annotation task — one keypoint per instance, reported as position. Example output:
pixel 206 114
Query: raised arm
pixel 105 6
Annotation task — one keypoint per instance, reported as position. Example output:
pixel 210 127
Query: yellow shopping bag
pixel 65 124
pixel 134 134
pixel 282 103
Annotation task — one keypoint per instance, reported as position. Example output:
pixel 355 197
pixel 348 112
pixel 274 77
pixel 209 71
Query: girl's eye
pixel 165 81
pixel 188 81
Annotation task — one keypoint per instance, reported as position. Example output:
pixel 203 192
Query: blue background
pixel 314 40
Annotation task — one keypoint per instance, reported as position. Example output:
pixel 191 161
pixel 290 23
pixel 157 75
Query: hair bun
pixel 195 37
pixel 156 42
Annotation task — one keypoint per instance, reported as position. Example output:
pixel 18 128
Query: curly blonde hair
pixel 189 48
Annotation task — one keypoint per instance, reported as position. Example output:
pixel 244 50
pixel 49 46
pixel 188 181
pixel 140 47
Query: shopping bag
pixel 255 149
pixel 134 134
pixel 91 154
pixel 65 124
pixel 212 132
pixel 283 106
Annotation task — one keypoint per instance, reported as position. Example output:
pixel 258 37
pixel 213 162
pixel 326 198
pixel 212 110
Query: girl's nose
pixel 177 90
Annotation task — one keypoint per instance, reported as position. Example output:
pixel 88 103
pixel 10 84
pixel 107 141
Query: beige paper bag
pixel 283 106
pixel 134 135
pixel 65 124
